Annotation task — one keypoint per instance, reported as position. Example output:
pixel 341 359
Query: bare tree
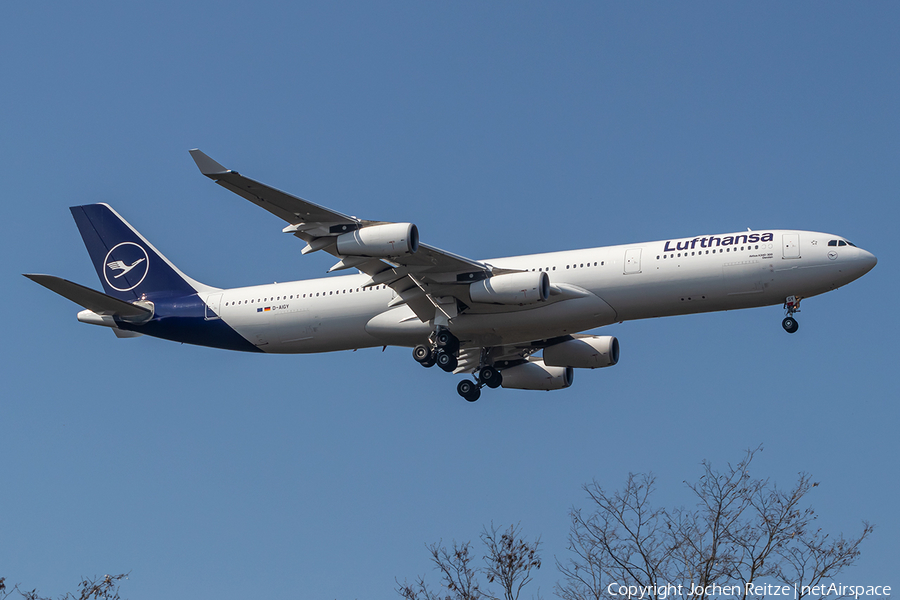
pixel 98 588
pixel 458 576
pixel 740 531
pixel 509 561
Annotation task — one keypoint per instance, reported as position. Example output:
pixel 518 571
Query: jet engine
pixel 512 288
pixel 584 352
pixel 390 239
pixel 535 375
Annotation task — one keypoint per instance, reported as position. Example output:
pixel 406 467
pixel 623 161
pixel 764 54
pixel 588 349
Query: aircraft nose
pixel 867 260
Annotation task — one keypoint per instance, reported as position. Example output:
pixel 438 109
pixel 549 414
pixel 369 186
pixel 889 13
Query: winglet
pixel 207 166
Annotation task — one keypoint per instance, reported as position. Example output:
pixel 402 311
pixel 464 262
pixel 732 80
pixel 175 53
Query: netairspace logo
pixel 836 590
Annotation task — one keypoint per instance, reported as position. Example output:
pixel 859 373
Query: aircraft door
pixel 791 245
pixel 213 304
pixel 632 261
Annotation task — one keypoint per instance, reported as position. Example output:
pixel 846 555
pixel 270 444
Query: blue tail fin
pixel 128 265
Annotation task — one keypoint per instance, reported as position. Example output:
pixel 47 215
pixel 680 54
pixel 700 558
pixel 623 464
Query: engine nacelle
pixel 390 239
pixel 588 352
pixel 535 375
pixel 512 288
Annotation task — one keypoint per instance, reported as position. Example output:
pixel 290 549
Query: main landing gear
pixel 442 350
pixel 487 376
pixel 791 306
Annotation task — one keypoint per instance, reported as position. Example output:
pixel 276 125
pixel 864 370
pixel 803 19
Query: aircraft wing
pixel 423 279
pixel 284 206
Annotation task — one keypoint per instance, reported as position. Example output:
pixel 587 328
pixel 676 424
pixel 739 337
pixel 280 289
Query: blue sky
pixel 498 128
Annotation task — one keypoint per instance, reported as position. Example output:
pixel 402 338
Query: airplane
pixel 488 318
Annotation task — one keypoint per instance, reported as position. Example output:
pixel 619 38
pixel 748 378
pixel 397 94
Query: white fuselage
pixel 593 287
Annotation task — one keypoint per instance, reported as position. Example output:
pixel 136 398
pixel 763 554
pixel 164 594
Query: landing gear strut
pixel 791 306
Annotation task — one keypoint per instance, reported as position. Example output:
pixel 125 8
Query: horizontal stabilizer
pixel 92 300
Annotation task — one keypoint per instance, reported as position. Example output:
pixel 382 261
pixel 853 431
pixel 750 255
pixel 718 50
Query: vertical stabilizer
pixel 128 265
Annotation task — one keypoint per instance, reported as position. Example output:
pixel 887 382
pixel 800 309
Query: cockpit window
pixel 832 242
pixel 849 243
pixel 842 243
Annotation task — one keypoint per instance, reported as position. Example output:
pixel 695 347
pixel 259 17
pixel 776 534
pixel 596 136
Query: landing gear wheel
pixel 790 325
pixel 469 390
pixel 447 341
pixel 490 377
pixel 422 353
pixel 446 361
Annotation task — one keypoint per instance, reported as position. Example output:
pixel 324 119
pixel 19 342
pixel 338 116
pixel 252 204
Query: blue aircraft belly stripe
pixel 195 330
pixel 184 319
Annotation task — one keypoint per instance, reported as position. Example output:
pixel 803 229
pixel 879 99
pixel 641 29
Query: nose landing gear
pixel 791 306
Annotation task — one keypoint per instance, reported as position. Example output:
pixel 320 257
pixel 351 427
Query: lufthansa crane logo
pixel 126 266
